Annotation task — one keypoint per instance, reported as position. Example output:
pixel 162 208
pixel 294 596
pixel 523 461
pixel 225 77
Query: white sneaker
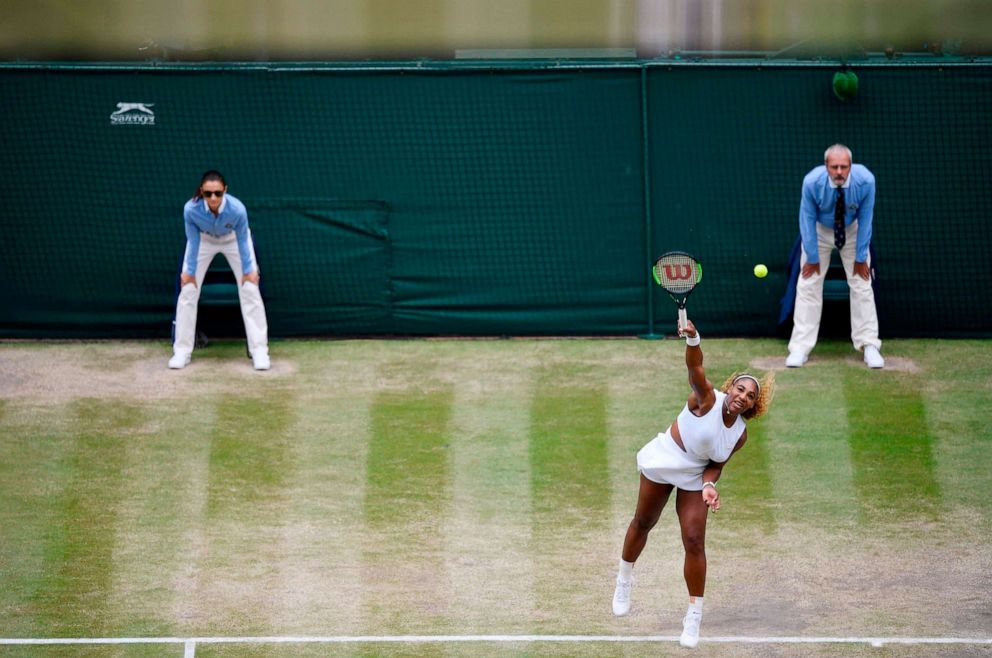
pixel 690 628
pixel 873 358
pixel 621 597
pixel 261 361
pixel 179 361
pixel 795 360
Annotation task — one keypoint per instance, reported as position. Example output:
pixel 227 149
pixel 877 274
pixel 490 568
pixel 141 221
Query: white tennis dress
pixel 706 439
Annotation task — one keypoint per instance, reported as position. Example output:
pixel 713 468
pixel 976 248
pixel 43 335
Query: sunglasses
pixel 208 193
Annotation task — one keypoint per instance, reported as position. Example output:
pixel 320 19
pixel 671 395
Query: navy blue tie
pixel 839 213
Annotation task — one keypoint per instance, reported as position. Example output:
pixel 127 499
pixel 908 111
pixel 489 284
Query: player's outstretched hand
pixel 689 329
pixel 712 498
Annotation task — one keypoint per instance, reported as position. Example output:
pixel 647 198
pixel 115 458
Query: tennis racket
pixel 678 273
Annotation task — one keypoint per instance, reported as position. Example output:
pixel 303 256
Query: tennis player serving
pixel 688 458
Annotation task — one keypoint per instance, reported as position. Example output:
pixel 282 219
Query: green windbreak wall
pixel 480 199
pixel 504 201
pixel 730 147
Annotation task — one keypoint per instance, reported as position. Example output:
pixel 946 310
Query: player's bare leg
pixel 692 511
pixel 651 499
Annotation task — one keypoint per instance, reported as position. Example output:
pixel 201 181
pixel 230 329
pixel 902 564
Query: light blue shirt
pixel 819 199
pixel 231 216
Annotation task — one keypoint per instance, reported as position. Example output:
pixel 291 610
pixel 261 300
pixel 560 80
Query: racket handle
pixel 682 322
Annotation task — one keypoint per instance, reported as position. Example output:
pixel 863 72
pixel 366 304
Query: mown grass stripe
pixel 159 530
pixel 629 428
pixel 891 447
pixel 807 434
pixel 570 484
pixel 250 455
pixel 328 440
pixel 32 479
pixel 188 536
pixel 747 481
pixel 568 455
pixel 251 470
pixel 488 525
pixel 408 477
pixel 955 380
pixel 79 557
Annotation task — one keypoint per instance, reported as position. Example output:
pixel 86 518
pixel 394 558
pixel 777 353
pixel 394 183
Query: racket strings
pixel 677 273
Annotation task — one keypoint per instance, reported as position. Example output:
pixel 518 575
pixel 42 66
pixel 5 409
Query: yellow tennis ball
pixel 760 271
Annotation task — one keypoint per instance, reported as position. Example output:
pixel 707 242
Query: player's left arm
pixel 808 208
pixel 712 473
pixel 249 268
pixel 866 215
pixel 188 272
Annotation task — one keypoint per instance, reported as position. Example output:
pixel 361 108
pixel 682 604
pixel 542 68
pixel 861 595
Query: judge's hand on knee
pixel 862 270
pixel 810 269
pixel 251 276
pixel 186 278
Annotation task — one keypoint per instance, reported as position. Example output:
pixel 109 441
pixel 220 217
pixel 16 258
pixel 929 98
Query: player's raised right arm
pixel 702 389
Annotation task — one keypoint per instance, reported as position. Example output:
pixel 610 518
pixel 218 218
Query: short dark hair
pixel 210 175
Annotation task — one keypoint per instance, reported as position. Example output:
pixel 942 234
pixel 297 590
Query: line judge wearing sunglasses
pixel 217 222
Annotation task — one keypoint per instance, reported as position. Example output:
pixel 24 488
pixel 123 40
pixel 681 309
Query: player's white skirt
pixel 664 462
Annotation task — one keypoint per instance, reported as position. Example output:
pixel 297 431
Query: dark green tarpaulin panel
pixel 344 251
pixel 511 202
pixel 481 199
pixel 738 142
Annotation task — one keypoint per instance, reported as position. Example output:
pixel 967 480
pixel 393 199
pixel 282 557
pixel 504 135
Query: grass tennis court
pixel 482 487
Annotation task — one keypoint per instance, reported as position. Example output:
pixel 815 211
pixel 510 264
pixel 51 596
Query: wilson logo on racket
pixel 682 271
pixel 678 273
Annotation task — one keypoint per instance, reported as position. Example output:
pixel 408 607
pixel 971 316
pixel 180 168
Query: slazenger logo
pixel 131 114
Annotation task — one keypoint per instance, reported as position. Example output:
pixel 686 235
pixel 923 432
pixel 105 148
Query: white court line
pixel 190 642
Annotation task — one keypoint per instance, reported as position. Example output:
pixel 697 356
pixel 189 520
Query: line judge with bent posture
pixel 217 222
pixel 688 458
pixel 837 209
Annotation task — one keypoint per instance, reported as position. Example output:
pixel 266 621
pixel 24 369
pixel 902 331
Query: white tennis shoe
pixel 690 628
pixel 179 361
pixel 621 597
pixel 873 358
pixel 795 360
pixel 261 361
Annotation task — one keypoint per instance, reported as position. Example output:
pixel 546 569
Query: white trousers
pixel 809 296
pixel 252 308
